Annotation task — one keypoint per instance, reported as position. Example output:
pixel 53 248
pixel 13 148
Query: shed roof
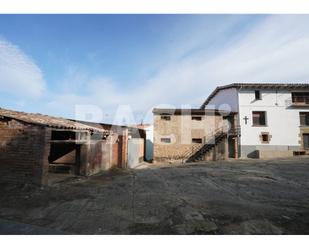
pixel 48 121
pixel 275 86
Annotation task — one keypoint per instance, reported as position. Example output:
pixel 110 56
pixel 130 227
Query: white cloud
pixel 275 49
pixel 19 75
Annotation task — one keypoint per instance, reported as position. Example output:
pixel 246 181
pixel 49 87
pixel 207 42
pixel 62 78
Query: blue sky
pixel 51 63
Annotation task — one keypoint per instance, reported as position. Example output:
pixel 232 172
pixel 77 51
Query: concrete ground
pixel 223 197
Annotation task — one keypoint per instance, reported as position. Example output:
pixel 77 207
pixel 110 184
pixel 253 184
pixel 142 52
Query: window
pixel 265 137
pixel 198 118
pixel 300 97
pixel 196 140
pixel 166 117
pixel 257 95
pixel 166 140
pixel 304 118
pixel 259 118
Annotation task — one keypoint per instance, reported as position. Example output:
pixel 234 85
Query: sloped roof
pixel 48 121
pixel 179 111
pixel 275 86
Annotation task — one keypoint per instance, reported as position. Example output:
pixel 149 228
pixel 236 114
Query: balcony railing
pixel 298 101
pixel 301 99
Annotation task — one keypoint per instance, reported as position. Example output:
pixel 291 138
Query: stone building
pixel 193 134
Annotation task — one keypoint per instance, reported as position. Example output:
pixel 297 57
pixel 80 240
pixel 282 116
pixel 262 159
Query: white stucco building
pixel 273 118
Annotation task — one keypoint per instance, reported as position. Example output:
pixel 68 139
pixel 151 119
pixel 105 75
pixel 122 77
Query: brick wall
pixel 98 157
pixel 116 160
pixel 118 143
pixel 23 152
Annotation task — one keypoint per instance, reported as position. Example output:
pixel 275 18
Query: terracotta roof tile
pixel 45 120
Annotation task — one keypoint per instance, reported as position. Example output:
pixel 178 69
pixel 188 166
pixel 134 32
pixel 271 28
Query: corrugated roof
pixel 275 86
pixel 45 120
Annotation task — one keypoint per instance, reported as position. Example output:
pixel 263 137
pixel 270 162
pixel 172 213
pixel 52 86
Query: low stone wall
pixel 173 152
pixel 252 151
pixel 265 154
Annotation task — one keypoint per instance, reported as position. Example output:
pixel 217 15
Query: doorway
pixel 232 147
pixel 306 141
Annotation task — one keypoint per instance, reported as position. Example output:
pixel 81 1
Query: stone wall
pixel 267 151
pixel 181 129
pixel 24 152
pixel 219 152
pixel 267 154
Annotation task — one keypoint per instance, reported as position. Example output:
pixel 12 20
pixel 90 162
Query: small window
pixel 166 117
pixel 198 118
pixel 259 118
pixel 265 137
pixel 257 95
pixel 304 118
pixel 166 140
pixel 196 140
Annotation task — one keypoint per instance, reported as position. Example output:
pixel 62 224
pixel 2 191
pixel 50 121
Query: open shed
pixel 34 146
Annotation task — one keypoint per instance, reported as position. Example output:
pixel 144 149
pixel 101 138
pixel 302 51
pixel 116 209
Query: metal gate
pixel 135 151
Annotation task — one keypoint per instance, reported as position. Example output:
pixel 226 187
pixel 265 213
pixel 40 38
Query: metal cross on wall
pixel 246 119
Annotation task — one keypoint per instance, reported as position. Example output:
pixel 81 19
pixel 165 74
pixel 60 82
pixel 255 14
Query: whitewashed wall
pixel 282 122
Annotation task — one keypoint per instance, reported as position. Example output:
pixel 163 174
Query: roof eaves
pixel 255 85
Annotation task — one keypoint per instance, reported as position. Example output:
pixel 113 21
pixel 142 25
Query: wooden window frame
pixel 166 117
pixel 262 137
pixel 306 118
pixel 300 97
pixel 265 119
pixel 196 118
pixel 257 95
pixel 194 140
pixel 168 140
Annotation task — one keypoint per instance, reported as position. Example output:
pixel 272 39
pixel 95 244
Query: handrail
pixel 209 139
pixel 297 100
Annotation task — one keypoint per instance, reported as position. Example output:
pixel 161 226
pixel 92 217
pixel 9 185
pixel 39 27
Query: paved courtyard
pixel 223 197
